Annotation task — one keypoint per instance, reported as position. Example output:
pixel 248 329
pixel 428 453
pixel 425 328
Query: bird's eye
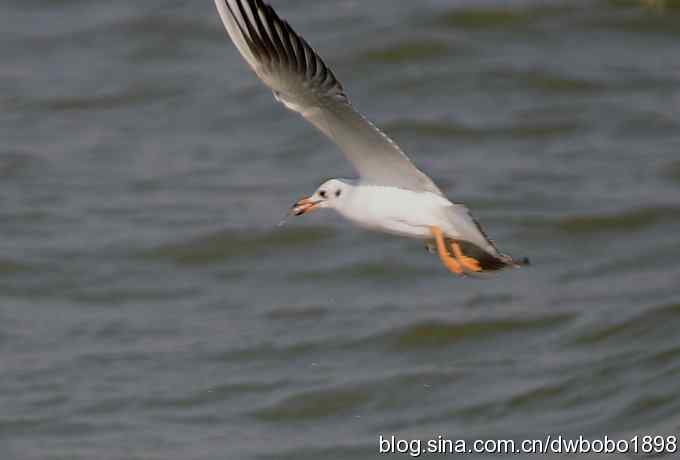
pixel 338 192
pixel 322 194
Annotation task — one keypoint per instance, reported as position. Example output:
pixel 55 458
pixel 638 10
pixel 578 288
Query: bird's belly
pixel 396 227
pixel 395 217
pixel 397 211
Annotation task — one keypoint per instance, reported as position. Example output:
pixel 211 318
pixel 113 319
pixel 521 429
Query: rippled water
pixel 151 309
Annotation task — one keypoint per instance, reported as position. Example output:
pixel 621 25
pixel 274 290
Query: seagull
pixel 391 195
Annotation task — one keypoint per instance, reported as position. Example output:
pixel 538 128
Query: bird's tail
pixel 490 262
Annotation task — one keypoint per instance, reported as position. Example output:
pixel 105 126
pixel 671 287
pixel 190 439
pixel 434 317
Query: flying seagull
pixel 391 194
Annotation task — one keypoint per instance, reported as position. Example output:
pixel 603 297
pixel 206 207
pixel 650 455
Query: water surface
pixel 150 308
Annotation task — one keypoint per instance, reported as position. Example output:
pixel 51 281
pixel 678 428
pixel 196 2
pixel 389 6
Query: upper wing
pixel 303 83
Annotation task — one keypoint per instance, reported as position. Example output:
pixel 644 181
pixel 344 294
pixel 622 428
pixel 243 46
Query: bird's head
pixel 328 195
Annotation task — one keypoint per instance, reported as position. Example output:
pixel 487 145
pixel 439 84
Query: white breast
pixel 394 210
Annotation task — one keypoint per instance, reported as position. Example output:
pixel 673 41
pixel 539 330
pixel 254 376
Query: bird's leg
pixel 470 263
pixel 448 261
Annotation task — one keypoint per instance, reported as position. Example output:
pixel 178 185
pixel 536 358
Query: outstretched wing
pixel 300 80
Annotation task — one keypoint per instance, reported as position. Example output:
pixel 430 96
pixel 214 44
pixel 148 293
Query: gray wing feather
pixel 300 80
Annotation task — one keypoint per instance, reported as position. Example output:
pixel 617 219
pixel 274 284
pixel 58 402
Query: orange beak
pixel 304 206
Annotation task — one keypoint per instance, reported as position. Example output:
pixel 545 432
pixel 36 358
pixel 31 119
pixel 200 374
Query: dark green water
pixel 151 309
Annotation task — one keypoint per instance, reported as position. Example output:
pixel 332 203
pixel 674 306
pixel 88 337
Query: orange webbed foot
pixel 469 263
pixel 449 262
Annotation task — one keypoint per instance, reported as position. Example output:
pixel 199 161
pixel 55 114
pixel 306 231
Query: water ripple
pixel 625 221
pixel 124 99
pixel 433 334
pixel 635 328
pixel 411 51
pixel 217 247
